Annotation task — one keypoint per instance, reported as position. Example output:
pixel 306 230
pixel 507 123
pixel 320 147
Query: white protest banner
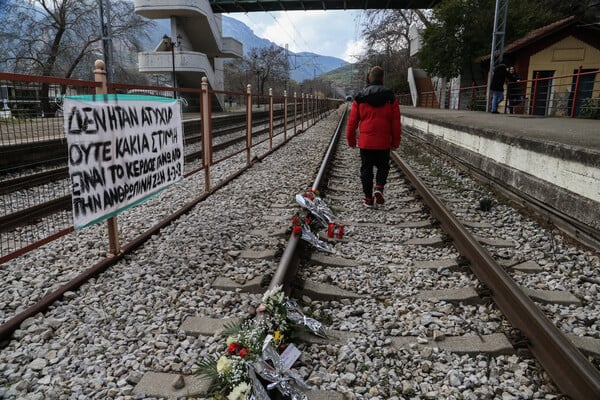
pixel 122 149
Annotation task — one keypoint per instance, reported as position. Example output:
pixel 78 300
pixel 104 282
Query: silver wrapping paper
pixel 270 367
pixel 296 315
pixel 318 208
pixel 317 243
pixel 258 390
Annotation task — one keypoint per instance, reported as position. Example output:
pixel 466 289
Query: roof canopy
pixel 226 6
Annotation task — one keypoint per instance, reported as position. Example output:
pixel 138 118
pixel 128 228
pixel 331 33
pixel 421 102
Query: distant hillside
pixel 303 65
pixel 347 78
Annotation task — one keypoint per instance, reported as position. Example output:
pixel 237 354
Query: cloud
pixel 354 48
pixel 328 33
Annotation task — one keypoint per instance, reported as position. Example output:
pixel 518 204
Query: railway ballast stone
pixel 496 343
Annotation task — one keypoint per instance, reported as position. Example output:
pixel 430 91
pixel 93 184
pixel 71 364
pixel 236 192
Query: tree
pixel 237 75
pixel 268 64
pixel 63 38
pixel 386 33
pixel 461 30
pixel 52 37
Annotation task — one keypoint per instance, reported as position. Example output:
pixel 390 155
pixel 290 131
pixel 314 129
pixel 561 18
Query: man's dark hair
pixel 376 75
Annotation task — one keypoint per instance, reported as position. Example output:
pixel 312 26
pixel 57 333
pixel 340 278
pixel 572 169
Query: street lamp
pixel 170 45
pixel 258 91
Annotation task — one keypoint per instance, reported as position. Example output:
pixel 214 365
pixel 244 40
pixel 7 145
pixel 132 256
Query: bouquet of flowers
pixel 317 215
pixel 311 201
pixel 252 357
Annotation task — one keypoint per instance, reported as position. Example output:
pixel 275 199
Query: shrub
pixel 590 108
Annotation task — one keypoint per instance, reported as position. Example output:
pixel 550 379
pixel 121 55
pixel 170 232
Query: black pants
pixel 379 159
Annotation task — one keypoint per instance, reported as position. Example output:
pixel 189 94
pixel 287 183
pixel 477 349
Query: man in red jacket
pixel 376 114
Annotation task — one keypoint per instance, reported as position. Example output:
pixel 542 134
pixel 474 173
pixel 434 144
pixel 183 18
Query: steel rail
pixel 288 265
pixel 28 181
pixel 584 234
pixel 23 217
pixel 565 364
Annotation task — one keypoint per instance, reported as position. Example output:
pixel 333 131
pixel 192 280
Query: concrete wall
pixel 562 177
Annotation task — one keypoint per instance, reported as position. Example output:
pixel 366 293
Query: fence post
pixel 308 110
pixel 270 119
pixel 535 84
pixel 574 104
pixel 111 223
pixel 285 115
pixel 248 124
pixel 295 112
pixel 206 134
pixel 302 110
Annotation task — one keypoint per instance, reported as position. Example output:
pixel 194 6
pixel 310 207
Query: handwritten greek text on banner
pixel 122 150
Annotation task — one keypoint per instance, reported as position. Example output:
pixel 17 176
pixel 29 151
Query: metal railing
pixel 572 95
pixel 32 140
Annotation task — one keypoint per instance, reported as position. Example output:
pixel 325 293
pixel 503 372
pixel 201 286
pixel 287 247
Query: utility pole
pixel 105 28
pixel 497 54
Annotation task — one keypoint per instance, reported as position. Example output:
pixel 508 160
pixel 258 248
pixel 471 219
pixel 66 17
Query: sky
pixel 333 33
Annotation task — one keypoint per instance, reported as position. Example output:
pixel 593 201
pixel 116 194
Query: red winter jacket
pixel 376 113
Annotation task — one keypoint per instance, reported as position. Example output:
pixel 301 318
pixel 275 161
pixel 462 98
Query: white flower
pixel 240 392
pixel 277 290
pixel 224 364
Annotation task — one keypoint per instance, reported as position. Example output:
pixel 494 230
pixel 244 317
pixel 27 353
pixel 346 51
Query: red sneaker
pixel 378 194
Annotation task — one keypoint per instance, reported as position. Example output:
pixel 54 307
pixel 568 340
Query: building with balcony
pixel 195 48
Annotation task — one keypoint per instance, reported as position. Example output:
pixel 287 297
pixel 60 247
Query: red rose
pixel 307 220
pixel 243 352
pixel 296 220
pixel 297 229
pixel 310 194
pixel 233 348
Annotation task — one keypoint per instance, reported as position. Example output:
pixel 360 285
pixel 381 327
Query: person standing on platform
pixel 497 86
pixel 514 89
pixel 375 113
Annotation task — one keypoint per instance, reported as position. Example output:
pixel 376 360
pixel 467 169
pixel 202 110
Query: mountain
pixel 304 65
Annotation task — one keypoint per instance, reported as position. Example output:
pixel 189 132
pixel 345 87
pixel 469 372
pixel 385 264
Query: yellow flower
pixel 277 336
pixel 223 365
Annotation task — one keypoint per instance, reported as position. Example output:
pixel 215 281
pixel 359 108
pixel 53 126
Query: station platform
pixel 574 132
pixel 555 161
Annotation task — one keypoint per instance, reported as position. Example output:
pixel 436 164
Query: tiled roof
pixel 536 35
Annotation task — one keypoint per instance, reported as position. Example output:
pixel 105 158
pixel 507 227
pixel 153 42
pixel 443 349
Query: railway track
pixel 574 374
pixel 384 292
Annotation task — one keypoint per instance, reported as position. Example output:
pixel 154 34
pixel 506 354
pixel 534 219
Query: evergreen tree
pixel 461 30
